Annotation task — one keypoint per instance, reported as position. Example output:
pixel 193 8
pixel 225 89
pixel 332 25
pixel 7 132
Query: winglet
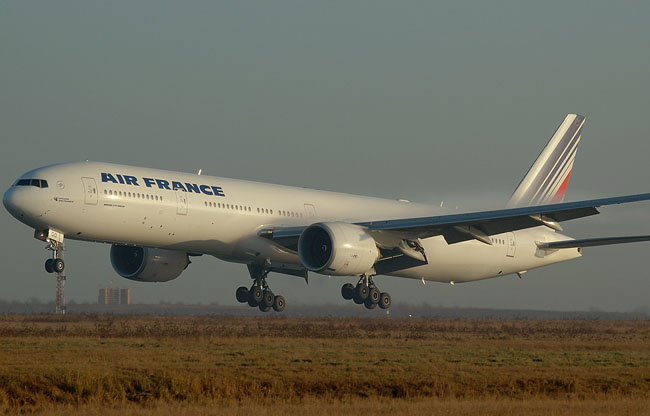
pixel 547 179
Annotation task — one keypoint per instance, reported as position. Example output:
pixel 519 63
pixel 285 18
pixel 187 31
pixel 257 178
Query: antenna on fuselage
pixel 200 170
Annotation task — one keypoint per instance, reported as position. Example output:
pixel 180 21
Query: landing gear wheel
pixel 278 304
pixel 384 300
pixel 373 296
pixel 268 298
pixel 369 304
pixel 362 292
pixel 347 291
pixel 242 294
pixel 48 265
pixel 255 296
pixel 57 265
pixel 264 308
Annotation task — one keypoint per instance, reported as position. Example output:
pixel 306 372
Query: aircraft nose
pixel 12 201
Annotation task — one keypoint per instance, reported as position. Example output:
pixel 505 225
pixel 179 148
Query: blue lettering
pixel 148 182
pixel 218 191
pixel 178 185
pixel 163 184
pixel 192 187
pixel 205 189
pixel 107 177
pixel 119 178
pixel 131 180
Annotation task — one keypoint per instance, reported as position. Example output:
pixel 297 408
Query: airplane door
pixel 512 245
pixel 90 191
pixel 310 211
pixel 181 202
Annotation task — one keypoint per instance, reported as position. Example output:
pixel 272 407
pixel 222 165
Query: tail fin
pixel 547 179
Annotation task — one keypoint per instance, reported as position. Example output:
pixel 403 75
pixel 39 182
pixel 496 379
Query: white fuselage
pixel 111 203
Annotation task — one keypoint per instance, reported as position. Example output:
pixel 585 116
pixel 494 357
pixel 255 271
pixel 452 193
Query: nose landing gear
pixel 56 265
pixel 366 293
pixel 260 295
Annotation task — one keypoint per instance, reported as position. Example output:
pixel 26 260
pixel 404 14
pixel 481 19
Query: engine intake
pixel 337 248
pixel 144 264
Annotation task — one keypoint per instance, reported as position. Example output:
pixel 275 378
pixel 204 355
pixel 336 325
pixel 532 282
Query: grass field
pixel 145 365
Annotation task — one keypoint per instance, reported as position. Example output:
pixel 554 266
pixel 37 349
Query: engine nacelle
pixel 144 264
pixel 337 248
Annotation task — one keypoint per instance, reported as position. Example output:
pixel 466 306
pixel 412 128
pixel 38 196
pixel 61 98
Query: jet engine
pixel 144 264
pixel 337 248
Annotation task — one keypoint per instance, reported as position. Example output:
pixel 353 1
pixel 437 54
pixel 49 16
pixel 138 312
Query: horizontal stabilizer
pixel 592 242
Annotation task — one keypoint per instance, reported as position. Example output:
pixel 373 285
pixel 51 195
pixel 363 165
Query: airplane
pixel 155 220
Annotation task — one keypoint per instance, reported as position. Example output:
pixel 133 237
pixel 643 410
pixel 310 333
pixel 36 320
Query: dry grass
pixel 237 365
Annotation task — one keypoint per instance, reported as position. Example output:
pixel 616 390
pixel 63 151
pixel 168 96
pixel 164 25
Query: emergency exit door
pixel 512 245
pixel 181 202
pixel 90 191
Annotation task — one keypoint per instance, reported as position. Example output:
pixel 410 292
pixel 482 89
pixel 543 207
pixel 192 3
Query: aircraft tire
pixel 48 265
pixel 374 295
pixel 58 266
pixel 384 300
pixel 362 292
pixel 369 304
pixel 278 304
pixel 264 308
pixel 254 296
pixel 242 294
pixel 347 291
pixel 268 298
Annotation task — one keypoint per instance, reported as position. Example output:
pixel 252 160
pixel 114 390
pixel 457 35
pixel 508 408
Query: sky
pixel 427 101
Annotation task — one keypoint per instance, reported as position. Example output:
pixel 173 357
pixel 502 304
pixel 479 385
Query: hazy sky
pixel 427 101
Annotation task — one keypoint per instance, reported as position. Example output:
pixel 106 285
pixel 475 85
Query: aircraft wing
pixel 591 242
pixel 473 225
pixel 480 225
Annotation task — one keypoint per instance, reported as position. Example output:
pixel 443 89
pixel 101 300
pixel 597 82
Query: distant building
pixel 114 296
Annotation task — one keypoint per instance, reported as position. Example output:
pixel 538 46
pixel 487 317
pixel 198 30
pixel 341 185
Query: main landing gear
pixel 367 293
pixel 260 295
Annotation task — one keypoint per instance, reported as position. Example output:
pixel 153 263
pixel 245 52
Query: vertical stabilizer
pixel 547 179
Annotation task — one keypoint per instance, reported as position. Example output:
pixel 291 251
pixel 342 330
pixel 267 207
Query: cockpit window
pixel 39 183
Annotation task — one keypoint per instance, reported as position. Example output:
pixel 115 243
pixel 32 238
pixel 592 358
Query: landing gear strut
pixel 260 295
pixel 366 293
pixel 56 265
